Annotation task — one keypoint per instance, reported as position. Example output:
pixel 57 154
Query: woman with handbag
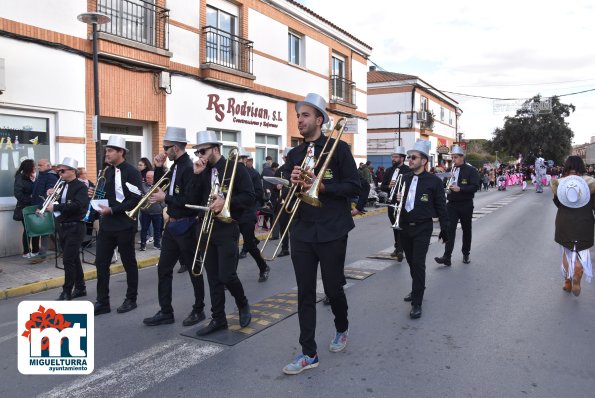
pixel 23 188
pixel 574 195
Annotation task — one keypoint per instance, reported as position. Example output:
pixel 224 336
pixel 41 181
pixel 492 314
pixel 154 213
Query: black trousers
pixel 221 264
pixel 463 212
pixel 247 231
pixel 416 240
pixel 71 236
pixel 396 232
pixel 280 227
pixel 182 248
pixel 305 257
pixel 107 241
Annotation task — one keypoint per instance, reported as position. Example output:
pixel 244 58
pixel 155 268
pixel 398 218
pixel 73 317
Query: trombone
pixel 144 203
pixel 53 197
pixel 394 179
pixel 400 188
pixel 311 196
pixel 208 221
pixel 98 193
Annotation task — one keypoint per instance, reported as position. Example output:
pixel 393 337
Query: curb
pixel 52 283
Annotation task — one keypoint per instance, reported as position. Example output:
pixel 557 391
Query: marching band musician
pixel 116 229
pixel 319 234
pixel 460 205
pixel 247 221
pixel 69 212
pixel 180 235
pixel 398 164
pixel 277 197
pixel 423 200
pixel 221 261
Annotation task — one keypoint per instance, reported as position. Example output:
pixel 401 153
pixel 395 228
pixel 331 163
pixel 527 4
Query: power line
pixel 514 99
pixel 528 84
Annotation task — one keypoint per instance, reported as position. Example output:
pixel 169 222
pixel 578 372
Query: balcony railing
pixel 228 50
pixel 342 90
pixel 136 20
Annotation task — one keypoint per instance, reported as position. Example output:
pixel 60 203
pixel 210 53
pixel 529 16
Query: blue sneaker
pixel 300 363
pixel 339 342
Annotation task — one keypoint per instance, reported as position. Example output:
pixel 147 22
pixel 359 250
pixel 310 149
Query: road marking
pixel 7 338
pixel 7 323
pixel 376 265
pixel 131 376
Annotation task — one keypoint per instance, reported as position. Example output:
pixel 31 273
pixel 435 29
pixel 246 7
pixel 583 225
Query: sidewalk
pixel 19 277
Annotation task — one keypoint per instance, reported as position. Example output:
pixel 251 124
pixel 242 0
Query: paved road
pixel 498 327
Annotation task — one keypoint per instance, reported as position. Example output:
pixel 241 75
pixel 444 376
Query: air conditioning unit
pixel 422 116
pixel 164 80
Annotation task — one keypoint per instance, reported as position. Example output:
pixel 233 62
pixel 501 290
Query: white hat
pixel 244 154
pixel 457 150
pixel 421 146
pixel 286 151
pixel 115 141
pixel 400 150
pixel 573 192
pixel 206 137
pixel 315 101
pixel 175 134
pixel 70 163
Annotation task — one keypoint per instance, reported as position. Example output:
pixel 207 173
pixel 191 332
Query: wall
pixel 57 15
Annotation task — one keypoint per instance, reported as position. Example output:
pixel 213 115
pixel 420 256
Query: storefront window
pixel 266 145
pixel 21 137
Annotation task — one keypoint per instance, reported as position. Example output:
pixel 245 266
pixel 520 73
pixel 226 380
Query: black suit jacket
pixel 118 220
pixel 75 204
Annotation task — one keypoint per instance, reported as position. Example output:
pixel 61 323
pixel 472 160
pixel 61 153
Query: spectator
pixel 380 174
pixel 83 176
pixel 144 165
pixel 153 215
pixel 364 172
pixel 267 164
pixel 46 179
pixel 23 188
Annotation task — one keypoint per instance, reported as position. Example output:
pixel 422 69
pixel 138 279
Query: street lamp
pixel 496 156
pixel 95 18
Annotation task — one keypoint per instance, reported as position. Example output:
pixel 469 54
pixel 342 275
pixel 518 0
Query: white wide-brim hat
pixel 244 153
pixel 70 163
pixel 206 137
pixel 421 146
pixel 457 150
pixel 400 150
pixel 316 101
pixel 573 192
pixel 175 134
pixel 115 141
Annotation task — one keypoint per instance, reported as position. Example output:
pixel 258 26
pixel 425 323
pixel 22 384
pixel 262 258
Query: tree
pixel 534 134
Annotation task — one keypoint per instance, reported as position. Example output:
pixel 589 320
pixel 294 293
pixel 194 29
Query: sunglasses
pixel 413 157
pixel 60 171
pixel 202 151
pixel 167 147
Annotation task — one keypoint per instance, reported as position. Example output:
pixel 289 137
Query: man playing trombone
pixel 180 235
pixel 221 257
pixel 319 234
pixel 460 192
pixel 69 204
pixel 389 185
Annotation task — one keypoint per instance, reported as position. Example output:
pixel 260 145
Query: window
pixel 442 114
pixel 222 47
pixel 338 76
pixel 229 139
pixel 424 104
pixel 296 141
pixel 294 48
pixel 266 145
pixel 138 20
pixel 21 137
pixel 450 117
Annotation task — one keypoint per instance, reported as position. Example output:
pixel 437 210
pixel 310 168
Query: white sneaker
pixel 26 255
pixel 149 239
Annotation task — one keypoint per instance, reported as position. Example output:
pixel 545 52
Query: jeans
pixel 145 221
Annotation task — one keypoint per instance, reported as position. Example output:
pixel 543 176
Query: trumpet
pixel 208 221
pixel 145 202
pixel 451 180
pixel 98 193
pixel 53 197
pixel 401 191
pixel 311 196
pixel 394 179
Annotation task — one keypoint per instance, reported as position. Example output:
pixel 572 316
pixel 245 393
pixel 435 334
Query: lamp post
pixel 496 156
pixel 95 18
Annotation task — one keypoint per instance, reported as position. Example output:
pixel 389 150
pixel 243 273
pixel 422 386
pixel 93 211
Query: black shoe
pixel 193 318
pixel 64 296
pixel 407 298
pixel 127 305
pixel 283 253
pixel 79 293
pixel 443 260
pixel 213 326
pixel 143 248
pixel 415 312
pixel 399 256
pixel 395 253
pixel 159 319
pixel 245 315
pixel 466 259
pixel 102 308
pixel 264 275
pixel 182 269
pixel 326 300
pixel 242 254
pixel 157 246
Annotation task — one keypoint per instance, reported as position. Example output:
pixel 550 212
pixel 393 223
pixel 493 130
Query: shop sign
pixel 242 112
pixel 442 149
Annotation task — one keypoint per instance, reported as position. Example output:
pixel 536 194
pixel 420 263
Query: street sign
pixel 95 128
pixel 351 126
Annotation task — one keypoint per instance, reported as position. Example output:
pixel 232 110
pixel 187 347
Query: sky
pixel 502 49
